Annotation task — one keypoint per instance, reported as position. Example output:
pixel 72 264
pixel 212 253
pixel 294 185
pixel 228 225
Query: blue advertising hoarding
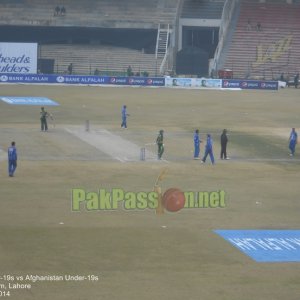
pixel 250 84
pixel 77 79
pixel 139 81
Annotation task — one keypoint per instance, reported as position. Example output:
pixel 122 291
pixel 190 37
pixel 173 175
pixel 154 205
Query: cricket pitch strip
pixel 111 144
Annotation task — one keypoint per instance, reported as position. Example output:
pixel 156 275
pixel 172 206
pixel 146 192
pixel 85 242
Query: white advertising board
pixel 18 58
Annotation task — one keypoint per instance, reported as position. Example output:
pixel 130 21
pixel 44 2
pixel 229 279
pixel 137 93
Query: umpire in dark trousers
pixel 224 141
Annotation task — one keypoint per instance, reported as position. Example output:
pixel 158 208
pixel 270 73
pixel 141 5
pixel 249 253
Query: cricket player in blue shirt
pixel 208 150
pixel 197 142
pixel 124 116
pixel 293 141
pixel 12 159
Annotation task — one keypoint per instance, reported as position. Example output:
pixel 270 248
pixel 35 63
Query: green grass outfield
pixel 137 254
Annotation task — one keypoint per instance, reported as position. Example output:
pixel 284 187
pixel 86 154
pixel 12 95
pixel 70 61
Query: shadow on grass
pixel 260 147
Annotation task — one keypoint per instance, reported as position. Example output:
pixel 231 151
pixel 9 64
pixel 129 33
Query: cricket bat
pixel 52 120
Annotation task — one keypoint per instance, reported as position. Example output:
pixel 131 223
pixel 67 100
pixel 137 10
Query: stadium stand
pixel 270 50
pixel 109 35
pixel 90 13
pixel 108 60
pixel 85 28
pixel 202 9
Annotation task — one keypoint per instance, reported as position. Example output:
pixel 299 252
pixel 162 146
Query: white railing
pixel 164 64
pixel 169 58
pixel 227 13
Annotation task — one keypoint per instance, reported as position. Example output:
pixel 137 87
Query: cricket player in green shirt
pixel 160 144
pixel 43 117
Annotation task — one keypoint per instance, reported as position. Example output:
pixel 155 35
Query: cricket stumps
pixel 87 125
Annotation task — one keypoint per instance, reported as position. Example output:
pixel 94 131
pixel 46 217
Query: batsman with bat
pixel 43 117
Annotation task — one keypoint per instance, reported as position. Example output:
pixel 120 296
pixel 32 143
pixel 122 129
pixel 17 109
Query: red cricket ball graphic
pixel 173 200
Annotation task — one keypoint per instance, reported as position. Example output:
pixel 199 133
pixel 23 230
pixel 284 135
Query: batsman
pixel 43 117
pixel 160 144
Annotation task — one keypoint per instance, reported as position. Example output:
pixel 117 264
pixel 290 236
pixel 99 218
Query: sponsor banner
pixel 180 82
pixel 207 83
pixel 41 101
pixel 118 80
pixel 250 84
pixel 138 81
pixel 265 245
pixel 194 82
pixel 282 84
pixel 77 79
pixel 27 78
pixel 16 58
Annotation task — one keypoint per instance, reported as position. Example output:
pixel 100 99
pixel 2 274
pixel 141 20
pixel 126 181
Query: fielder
pixel 12 159
pixel 124 117
pixel 293 141
pixel 197 142
pixel 208 150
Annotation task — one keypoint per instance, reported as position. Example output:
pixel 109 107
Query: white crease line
pixel 118 158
